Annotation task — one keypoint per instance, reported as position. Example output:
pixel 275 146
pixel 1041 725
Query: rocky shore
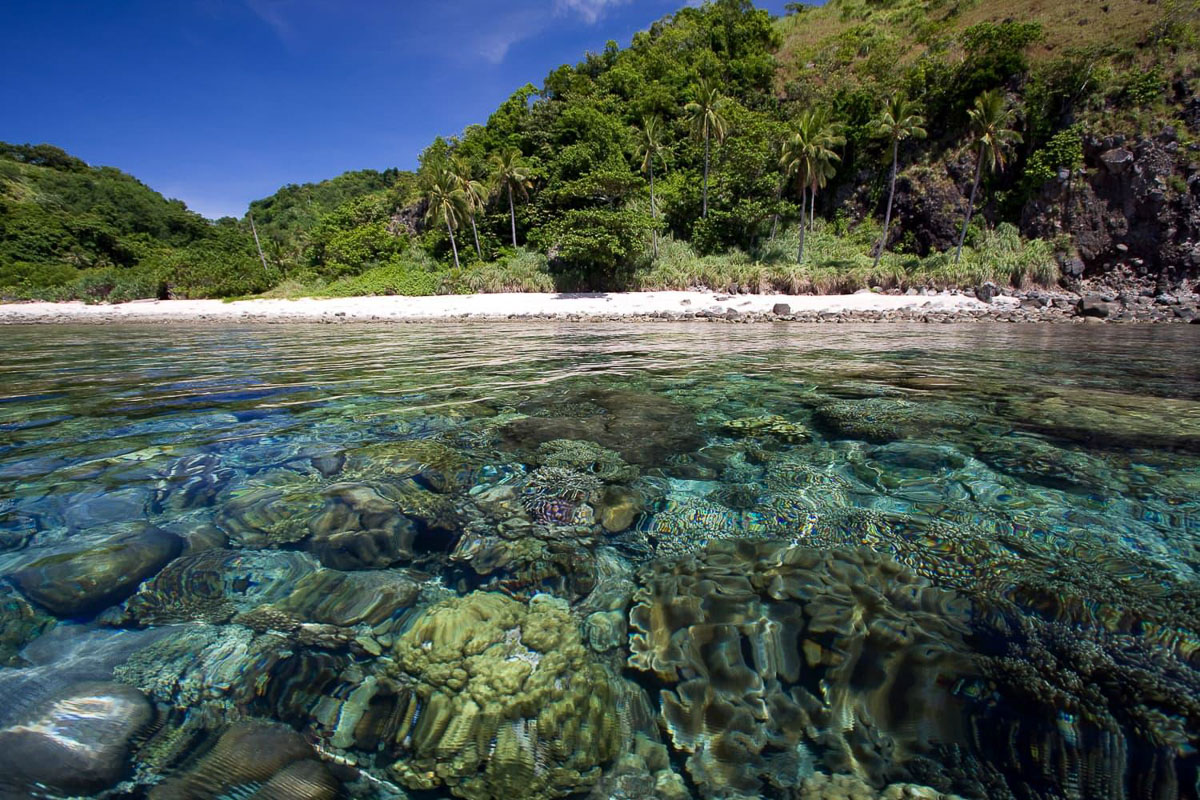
pixel 986 303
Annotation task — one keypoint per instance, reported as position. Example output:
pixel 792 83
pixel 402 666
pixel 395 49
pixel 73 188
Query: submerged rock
pixel 20 623
pixel 346 599
pixel 257 761
pixel 371 526
pixel 269 516
pixel 880 419
pixel 1110 419
pixel 82 582
pixel 76 741
pixel 644 429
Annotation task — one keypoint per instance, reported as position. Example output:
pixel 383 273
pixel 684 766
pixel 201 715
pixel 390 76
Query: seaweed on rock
pixel 879 419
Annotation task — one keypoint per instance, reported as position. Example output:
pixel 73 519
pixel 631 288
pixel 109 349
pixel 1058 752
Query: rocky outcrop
pixel 928 211
pixel 1134 206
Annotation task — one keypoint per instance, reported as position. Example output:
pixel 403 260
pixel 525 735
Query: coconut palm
pixel 650 148
pixel 510 175
pixel 821 134
pixel 990 118
pixel 473 193
pixel 899 121
pixel 795 160
pixel 445 201
pixel 808 156
pixel 708 123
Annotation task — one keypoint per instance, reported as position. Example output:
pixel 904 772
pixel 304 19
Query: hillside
pixel 688 157
pixel 70 230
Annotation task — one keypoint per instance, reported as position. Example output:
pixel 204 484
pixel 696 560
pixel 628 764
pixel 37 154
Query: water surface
pixel 632 560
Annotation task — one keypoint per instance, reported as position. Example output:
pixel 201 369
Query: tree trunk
pixel 970 206
pixel 261 257
pixel 453 244
pixel 653 214
pixel 705 211
pixel 887 218
pixel 812 209
pixel 803 197
pixel 775 218
pixel 474 230
pixel 512 212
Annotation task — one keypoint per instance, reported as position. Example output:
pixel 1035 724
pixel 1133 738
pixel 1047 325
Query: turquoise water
pixel 615 561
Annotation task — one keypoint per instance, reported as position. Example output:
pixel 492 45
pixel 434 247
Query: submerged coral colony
pixel 610 591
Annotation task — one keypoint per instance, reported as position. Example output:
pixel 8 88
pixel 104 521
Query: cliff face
pixel 1135 206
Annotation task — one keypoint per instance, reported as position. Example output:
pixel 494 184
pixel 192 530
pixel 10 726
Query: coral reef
pixel 584 456
pixel 768 425
pixel 506 702
pixel 221 665
pixel 561 495
pixel 213 585
pixel 821 786
pixel 1105 715
pixel 645 429
pixel 761 647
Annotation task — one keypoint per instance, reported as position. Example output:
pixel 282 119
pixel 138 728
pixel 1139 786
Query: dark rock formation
pixel 1135 203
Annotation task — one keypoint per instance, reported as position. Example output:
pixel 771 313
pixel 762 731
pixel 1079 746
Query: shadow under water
pixel 592 560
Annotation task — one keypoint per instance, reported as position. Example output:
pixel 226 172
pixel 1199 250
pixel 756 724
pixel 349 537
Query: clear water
pixel 625 560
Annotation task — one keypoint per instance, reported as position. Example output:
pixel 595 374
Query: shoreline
pixel 611 307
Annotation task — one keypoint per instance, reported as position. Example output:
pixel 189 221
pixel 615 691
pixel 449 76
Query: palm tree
pixel 990 118
pixel 472 195
pixel 446 201
pixel 808 156
pixel 509 174
pixel 707 123
pixel 898 121
pixel 821 134
pixel 795 161
pixel 650 148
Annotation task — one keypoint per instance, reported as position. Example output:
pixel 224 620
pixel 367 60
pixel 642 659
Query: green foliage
pixel 1063 150
pixel 1139 88
pixel 595 243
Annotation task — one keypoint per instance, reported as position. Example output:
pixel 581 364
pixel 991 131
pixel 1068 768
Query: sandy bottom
pixel 481 306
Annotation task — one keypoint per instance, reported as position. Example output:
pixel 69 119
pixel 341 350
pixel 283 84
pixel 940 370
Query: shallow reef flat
pixel 600 561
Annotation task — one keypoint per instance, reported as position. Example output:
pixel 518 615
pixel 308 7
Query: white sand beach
pixel 490 307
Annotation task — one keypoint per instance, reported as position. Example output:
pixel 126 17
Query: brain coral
pixel 762 647
pixel 506 701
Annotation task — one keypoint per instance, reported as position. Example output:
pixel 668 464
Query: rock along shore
pixel 986 303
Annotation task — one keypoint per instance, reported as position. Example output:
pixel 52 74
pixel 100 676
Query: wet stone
pixel 74 742
pixel 82 582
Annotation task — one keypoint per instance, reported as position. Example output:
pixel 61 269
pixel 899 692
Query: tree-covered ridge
pixel 721 147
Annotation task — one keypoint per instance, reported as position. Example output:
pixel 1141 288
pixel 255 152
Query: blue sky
pixel 218 102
